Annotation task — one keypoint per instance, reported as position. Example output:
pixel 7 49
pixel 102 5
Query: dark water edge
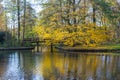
pixel 16 48
pixel 26 65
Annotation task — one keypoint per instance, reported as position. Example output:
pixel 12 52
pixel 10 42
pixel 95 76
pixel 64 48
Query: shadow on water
pixel 26 65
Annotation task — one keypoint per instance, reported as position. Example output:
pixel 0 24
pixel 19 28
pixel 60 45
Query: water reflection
pixel 58 66
pixel 19 66
pixel 80 67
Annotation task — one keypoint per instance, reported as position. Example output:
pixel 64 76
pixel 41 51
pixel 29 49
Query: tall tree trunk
pixel 24 22
pixel 74 9
pixel 61 21
pixel 18 14
pixel 68 12
pixel 94 13
pixel 84 10
pixel 94 18
pixel 6 35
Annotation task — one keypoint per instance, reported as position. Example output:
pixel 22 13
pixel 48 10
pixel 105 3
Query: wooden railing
pixel 30 39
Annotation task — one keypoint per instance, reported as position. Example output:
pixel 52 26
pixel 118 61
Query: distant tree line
pixel 62 22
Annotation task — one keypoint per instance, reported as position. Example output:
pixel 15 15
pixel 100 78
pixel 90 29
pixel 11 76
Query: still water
pixel 26 65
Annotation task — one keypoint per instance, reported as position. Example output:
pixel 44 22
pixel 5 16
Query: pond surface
pixel 25 65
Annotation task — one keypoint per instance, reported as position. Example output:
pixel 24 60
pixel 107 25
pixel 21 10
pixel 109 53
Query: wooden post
pixel 37 46
pixel 40 48
pixel 51 47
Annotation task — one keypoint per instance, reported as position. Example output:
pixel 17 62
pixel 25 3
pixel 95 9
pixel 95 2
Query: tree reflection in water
pixel 58 66
pixel 80 67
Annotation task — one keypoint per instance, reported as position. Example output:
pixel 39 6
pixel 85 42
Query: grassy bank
pixel 113 46
pixel 102 48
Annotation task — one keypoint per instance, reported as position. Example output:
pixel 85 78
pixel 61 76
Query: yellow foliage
pixel 85 35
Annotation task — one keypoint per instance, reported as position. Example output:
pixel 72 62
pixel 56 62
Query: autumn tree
pixel 2 18
pixel 71 22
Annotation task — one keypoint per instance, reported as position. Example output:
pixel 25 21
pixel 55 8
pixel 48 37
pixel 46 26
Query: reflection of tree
pixel 3 63
pixel 27 63
pixel 30 65
pixel 105 68
pixel 19 65
pixel 81 67
pixel 62 66
pixel 115 67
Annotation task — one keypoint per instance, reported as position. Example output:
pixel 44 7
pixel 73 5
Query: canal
pixel 26 65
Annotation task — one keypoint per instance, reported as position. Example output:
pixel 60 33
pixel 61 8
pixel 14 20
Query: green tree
pixel 28 20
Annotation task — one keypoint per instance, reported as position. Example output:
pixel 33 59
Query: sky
pixel 118 0
pixel 38 8
pixel 35 5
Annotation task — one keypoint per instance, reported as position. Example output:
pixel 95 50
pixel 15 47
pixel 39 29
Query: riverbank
pixel 105 48
pixel 16 48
